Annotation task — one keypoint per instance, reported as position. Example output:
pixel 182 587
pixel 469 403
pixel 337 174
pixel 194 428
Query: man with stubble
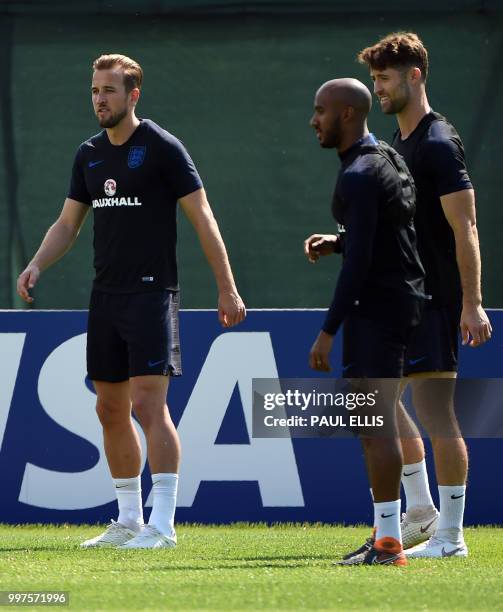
pixel 449 249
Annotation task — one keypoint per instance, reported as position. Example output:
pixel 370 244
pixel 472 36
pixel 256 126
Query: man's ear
pixel 415 75
pixel 135 95
pixel 348 113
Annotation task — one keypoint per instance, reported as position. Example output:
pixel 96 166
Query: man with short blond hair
pixel 132 174
pixel 449 249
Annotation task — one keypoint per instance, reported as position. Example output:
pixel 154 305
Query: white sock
pixel 165 487
pixel 452 508
pixel 372 496
pixel 128 491
pixel 387 520
pixel 416 486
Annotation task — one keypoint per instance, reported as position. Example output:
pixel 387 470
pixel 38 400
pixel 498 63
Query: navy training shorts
pixel 434 343
pixel 373 348
pixel 133 334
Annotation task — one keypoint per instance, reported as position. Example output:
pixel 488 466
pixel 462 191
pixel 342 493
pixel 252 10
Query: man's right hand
pixel 231 309
pixel 26 281
pixel 318 245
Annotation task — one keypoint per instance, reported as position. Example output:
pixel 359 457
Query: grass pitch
pixel 247 567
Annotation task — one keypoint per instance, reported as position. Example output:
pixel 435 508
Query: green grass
pixel 286 567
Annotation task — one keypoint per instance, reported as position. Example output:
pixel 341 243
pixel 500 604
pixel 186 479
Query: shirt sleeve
pixel 361 195
pixel 339 245
pixel 445 164
pixel 178 167
pixel 78 188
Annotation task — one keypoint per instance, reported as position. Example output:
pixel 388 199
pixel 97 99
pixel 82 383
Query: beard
pixel 400 99
pixel 112 120
pixel 334 135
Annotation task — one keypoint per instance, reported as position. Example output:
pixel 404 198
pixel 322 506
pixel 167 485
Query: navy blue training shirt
pixel 133 189
pixel 435 156
pixel 374 201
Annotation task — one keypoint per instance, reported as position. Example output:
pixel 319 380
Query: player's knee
pixel 383 447
pixel 111 412
pixel 149 406
pixel 450 439
pixel 146 411
pixel 440 423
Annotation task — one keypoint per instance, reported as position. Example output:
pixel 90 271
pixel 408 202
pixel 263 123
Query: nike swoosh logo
pixel 410 473
pixel 414 361
pixel 346 367
pixel 95 163
pixel 387 560
pixel 151 364
pixel 387 515
pixel 450 553
pixel 457 496
pixel 120 486
pixel 425 529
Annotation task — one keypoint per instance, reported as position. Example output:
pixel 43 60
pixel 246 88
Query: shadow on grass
pixel 210 568
pixel 243 563
pixel 233 563
pixel 288 558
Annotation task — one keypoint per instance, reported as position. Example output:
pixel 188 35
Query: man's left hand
pixel 474 324
pixel 320 352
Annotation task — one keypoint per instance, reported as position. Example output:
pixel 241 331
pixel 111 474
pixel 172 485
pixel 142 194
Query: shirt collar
pixel 369 139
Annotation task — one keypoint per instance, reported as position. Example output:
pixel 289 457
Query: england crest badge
pixel 136 156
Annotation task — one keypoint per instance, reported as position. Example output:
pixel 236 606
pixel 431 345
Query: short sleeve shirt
pixel 435 156
pixel 133 189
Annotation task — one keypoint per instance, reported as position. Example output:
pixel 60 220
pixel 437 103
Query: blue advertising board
pixel 51 452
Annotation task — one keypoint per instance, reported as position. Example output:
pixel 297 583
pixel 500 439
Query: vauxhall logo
pixel 110 189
